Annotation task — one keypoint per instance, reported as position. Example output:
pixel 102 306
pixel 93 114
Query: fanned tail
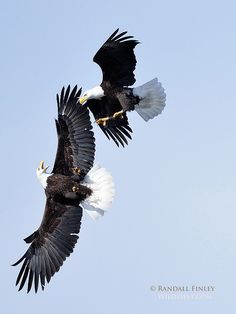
pixel 100 181
pixel 153 99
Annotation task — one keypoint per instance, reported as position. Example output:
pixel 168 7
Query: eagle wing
pixel 117 59
pixel 50 245
pixel 117 129
pixel 76 143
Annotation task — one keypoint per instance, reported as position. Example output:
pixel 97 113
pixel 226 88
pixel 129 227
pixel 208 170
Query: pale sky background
pixel 173 218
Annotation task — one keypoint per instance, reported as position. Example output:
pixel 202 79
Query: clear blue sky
pixel 173 219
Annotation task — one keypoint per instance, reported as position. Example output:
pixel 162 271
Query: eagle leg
pixel 118 113
pixel 103 121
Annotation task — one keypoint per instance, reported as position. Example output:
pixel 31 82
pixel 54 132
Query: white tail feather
pixel 100 181
pixel 152 101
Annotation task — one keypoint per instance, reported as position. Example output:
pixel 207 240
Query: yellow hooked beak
pixel 41 166
pixel 83 100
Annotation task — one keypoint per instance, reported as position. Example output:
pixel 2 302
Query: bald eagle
pixel 74 184
pixel 110 101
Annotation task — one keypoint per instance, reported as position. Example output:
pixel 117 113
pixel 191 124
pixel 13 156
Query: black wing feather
pixel 117 59
pixel 76 143
pixel 54 241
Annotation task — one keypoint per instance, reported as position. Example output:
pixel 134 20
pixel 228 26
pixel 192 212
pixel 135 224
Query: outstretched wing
pixel 117 59
pixel 76 143
pixel 117 129
pixel 50 245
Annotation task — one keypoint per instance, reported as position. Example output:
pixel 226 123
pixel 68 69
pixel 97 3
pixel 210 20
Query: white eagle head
pixel 42 175
pixel 93 93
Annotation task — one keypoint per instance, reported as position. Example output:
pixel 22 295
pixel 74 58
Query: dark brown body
pixel 66 190
pixel 121 98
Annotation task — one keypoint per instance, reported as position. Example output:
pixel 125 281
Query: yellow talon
pixel 76 170
pixel 119 113
pixel 103 121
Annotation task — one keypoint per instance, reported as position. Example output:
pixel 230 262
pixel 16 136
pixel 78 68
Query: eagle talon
pixel 76 170
pixel 103 121
pixel 74 189
pixel 118 114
